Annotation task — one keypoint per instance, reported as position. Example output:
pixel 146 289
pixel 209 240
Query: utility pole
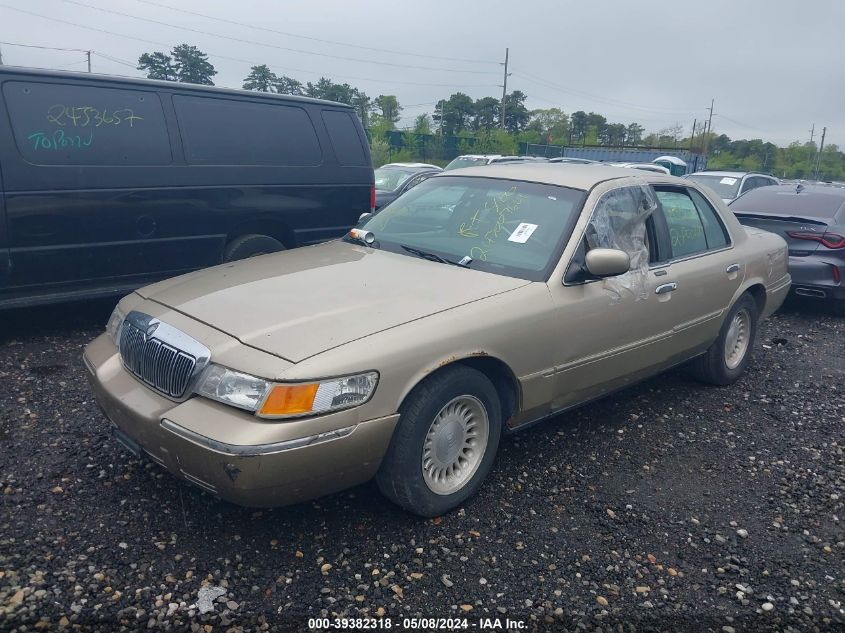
pixel 505 87
pixel 88 54
pixel 819 158
pixel 812 134
pixel 692 136
pixel 709 125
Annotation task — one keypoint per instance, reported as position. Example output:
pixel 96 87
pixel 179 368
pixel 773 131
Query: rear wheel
pixel 725 361
pixel 444 444
pixel 251 246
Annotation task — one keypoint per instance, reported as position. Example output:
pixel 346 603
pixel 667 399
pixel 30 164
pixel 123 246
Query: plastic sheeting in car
pixel 619 222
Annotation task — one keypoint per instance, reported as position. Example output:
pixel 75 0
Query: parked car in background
pixel 732 184
pixel 573 161
pixel 111 183
pixel 643 166
pixel 811 218
pixel 477 160
pixel 675 165
pixel 481 301
pixel 394 179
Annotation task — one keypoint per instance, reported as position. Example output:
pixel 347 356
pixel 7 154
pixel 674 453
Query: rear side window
pixel 694 226
pixel 685 227
pixel 345 139
pixel 67 124
pixel 232 132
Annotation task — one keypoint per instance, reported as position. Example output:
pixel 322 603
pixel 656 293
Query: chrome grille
pixel 155 353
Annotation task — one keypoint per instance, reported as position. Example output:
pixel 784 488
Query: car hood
pixel 298 303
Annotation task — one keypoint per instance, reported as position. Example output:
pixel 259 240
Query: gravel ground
pixel 669 506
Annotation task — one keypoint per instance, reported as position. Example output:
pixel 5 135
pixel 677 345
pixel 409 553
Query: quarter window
pixel 71 124
pixel 345 139
pixel 714 230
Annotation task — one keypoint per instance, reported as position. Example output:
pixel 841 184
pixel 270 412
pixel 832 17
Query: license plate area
pixel 128 443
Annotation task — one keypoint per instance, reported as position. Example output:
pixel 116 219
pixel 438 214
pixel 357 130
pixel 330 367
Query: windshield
pixel 465 161
pixel 509 227
pixel 390 178
pixel 726 187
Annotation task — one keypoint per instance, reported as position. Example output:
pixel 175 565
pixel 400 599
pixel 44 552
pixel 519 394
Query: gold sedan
pixel 481 301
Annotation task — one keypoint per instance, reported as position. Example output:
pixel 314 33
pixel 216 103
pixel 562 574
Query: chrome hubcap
pixel 736 341
pixel 455 445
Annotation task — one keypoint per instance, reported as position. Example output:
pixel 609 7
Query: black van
pixel 107 183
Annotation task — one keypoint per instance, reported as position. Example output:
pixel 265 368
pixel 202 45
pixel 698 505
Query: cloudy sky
pixel 774 67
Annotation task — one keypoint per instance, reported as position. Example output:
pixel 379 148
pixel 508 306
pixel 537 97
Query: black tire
pixel 400 477
pixel 712 367
pixel 250 246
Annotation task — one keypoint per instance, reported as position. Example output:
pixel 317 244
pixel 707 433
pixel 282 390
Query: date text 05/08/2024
pixel 408 624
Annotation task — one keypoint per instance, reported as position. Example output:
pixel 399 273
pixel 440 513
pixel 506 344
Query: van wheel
pixel 444 444
pixel 730 354
pixel 250 246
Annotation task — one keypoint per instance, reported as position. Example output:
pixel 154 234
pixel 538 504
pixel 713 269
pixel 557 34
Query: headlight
pixel 114 324
pixel 273 400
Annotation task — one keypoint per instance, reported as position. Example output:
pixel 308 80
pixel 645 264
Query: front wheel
pixel 725 361
pixel 444 444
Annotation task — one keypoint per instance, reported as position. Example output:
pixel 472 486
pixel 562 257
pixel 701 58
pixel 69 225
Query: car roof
pixel 411 165
pixel 24 71
pixel 575 176
pixel 479 156
pixel 736 174
pixel 812 200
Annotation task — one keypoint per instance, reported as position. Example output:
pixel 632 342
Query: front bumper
pixel 231 453
pixel 812 276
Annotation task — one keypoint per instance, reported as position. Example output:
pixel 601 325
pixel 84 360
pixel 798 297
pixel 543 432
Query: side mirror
pixel 364 216
pixel 607 262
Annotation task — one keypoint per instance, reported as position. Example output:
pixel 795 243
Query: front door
pixel 609 334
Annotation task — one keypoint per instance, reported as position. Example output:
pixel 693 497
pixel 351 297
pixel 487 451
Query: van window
pixel 345 140
pixel 69 124
pixel 233 132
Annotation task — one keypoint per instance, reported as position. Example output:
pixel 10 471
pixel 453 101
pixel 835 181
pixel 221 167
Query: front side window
pixel 73 124
pixel 693 227
pixel 620 221
pixel 509 227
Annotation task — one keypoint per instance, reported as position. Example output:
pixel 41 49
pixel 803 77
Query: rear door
pixel 698 280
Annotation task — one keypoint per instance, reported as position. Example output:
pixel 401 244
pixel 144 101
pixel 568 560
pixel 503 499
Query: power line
pixel 52 48
pixel 236 59
pixel 313 39
pixel 282 48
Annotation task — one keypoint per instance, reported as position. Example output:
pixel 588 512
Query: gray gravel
pixel 670 506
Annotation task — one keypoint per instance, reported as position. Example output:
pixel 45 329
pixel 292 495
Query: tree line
pixel 494 131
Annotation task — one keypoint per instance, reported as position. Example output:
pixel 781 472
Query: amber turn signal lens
pixel 290 399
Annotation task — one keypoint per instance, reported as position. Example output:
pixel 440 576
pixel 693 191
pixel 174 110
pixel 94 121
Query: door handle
pixel 733 268
pixel 664 288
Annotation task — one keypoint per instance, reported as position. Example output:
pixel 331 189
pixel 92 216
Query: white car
pixel 729 185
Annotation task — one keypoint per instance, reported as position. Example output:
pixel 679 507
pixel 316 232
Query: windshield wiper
pixel 434 257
